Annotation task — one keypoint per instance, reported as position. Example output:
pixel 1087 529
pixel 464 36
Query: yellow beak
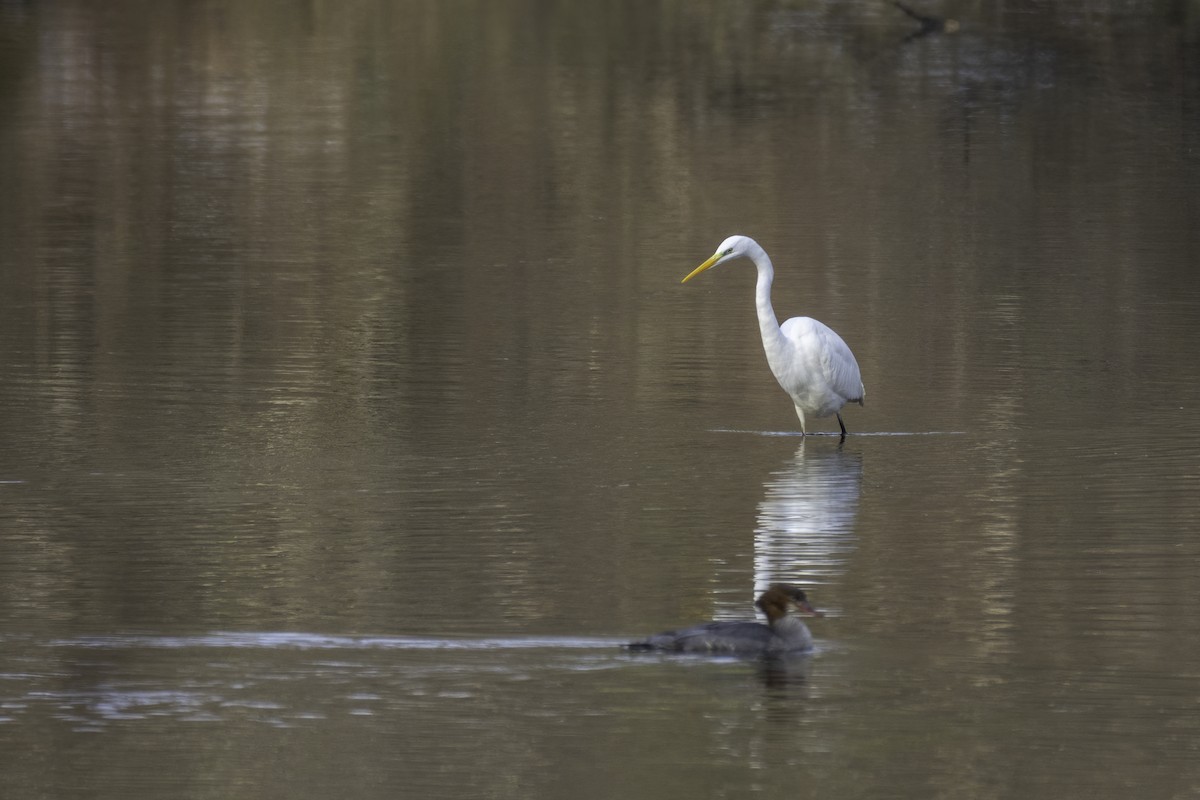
pixel 715 258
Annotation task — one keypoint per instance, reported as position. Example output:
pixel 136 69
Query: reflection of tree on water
pixel 929 24
pixel 805 524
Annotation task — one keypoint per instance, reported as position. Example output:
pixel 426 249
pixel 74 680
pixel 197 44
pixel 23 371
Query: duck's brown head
pixel 779 598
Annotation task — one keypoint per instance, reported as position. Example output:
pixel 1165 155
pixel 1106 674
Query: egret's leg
pixel 841 425
pixel 800 414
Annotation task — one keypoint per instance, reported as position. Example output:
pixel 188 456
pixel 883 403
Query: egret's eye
pixel 727 252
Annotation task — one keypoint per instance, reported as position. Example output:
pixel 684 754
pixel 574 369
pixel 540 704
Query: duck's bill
pixel 807 610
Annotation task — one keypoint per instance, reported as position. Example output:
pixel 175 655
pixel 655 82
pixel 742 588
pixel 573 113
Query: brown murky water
pixel 352 413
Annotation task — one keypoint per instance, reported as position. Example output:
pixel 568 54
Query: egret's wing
pixel 822 344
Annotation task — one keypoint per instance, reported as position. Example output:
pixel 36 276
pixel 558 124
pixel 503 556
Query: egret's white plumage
pixel 811 362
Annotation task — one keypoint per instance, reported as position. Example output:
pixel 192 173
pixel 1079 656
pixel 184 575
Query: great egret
pixel 810 361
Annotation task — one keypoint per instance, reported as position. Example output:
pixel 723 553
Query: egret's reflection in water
pixel 806 518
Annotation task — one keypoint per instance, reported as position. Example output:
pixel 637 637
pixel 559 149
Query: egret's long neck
pixel 767 323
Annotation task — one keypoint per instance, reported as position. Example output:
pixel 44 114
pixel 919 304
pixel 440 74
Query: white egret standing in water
pixel 811 362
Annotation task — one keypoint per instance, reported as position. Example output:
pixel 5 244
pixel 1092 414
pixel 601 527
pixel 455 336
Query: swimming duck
pixel 782 633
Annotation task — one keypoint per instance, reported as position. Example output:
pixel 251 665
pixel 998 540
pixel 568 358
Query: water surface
pixel 353 413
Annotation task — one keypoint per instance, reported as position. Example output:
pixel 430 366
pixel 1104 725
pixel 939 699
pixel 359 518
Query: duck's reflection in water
pixel 786 675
